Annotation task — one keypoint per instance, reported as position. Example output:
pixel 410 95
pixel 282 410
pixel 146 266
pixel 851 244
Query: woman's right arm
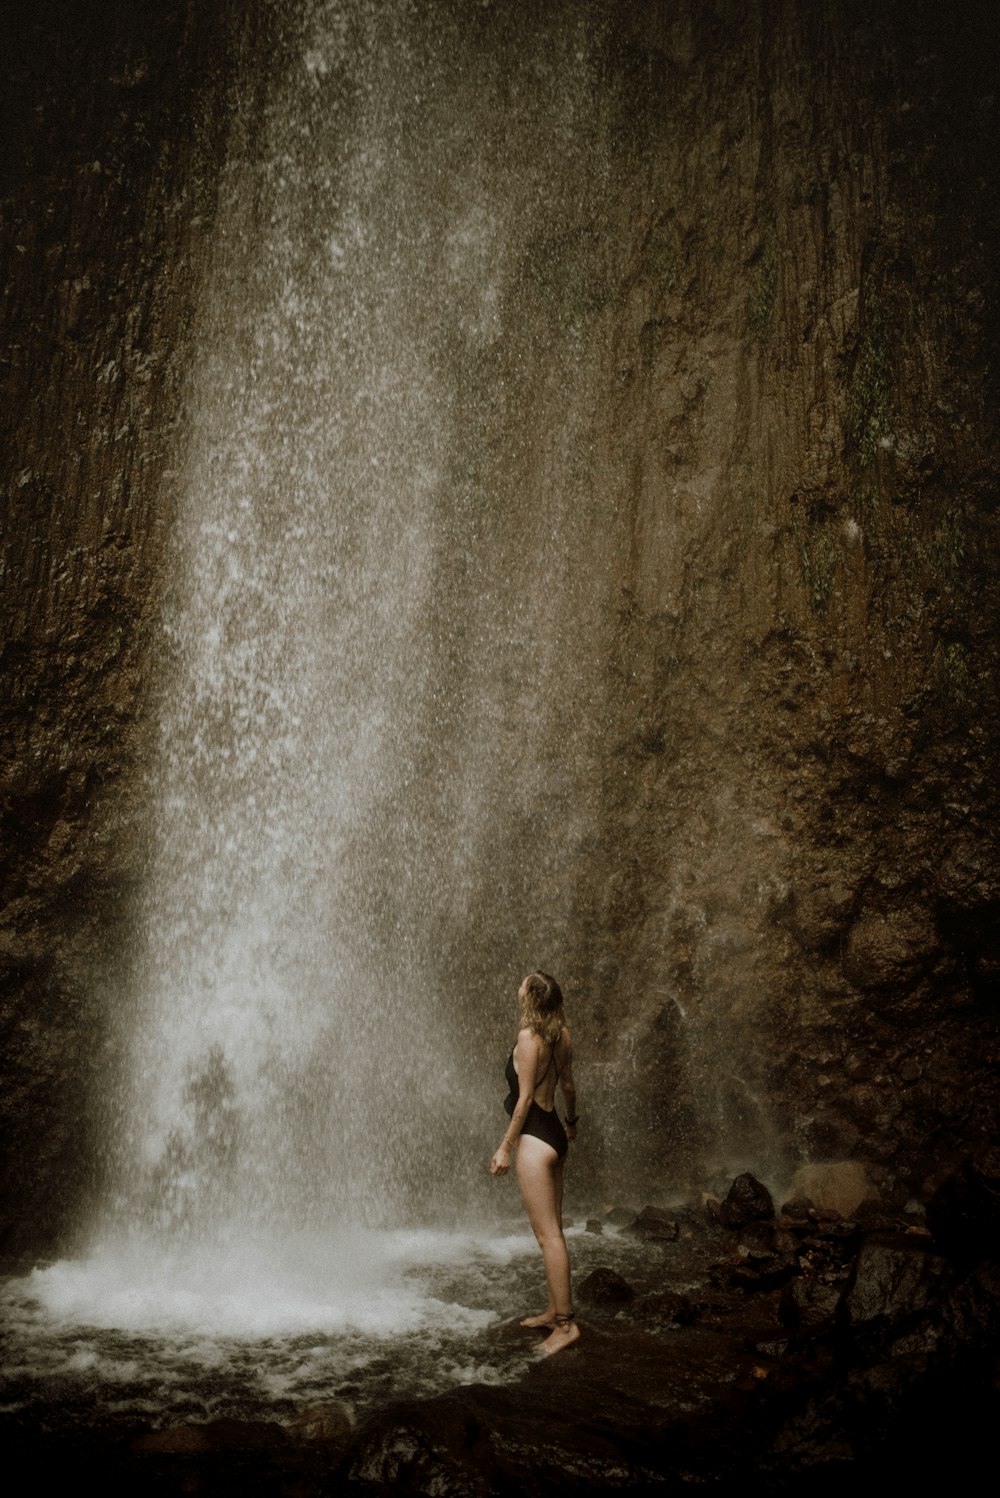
pixel 526 1052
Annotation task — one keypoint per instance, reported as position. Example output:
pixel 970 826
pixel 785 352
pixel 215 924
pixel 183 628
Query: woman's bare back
pixel 552 1063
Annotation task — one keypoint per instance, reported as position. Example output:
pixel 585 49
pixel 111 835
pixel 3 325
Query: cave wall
pixel 802 795
pixel 113 118
pixel 786 307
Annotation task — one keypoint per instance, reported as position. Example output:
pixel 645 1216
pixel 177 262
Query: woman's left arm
pixel 526 1052
pixel 568 1088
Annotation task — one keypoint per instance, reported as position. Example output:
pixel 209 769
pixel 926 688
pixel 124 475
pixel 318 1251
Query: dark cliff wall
pixel 802 797
pixel 785 943
pixel 112 132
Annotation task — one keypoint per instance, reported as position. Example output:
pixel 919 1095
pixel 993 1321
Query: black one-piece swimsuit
pixel 539 1123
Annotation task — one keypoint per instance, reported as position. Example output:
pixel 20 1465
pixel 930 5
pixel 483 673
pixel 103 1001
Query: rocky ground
pixel 808 1348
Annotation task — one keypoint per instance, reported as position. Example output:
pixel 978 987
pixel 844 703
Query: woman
pixel 542 1057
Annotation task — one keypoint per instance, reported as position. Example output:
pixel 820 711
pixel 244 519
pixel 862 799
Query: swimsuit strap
pixel 551 1062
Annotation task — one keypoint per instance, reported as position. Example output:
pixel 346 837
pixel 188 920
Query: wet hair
pixel 542 1006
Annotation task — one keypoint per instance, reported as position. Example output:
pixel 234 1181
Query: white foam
pixel 357 1281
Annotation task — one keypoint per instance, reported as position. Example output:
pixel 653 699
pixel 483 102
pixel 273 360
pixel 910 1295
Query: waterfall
pixel 380 683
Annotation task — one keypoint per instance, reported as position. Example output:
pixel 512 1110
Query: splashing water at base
pixel 196 1335
pixel 354 1282
pixel 236 1329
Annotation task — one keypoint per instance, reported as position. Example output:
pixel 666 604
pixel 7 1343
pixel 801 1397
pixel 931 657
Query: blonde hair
pixel 542 1006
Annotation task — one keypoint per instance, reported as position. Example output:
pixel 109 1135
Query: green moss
pixel 867 507
pixel 951 675
pixel 762 292
pixel 817 558
pixel 946 551
pixel 867 420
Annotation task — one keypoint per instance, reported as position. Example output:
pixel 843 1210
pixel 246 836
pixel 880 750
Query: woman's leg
pixel 547 1317
pixel 540 1176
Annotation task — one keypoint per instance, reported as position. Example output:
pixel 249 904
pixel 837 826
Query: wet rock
pixel 773 1347
pixel 668 1308
pixel 873 1215
pixel 438 1448
pixel 213 1436
pixel 333 1421
pixel 964 1212
pixel 888 948
pixel 893 1282
pixel 246 1435
pixel 971 1307
pixel 604 1287
pixel 818 916
pixel 783 1239
pixel 807 1301
pixel 839 1184
pixel 756 1240
pixel 620 1217
pixel 594 1225
pixel 797 1208
pixel 748 1277
pixel 654 1223
pixel 174 1440
pixel 580 1423
pixel 829 1131
pixel 748 1201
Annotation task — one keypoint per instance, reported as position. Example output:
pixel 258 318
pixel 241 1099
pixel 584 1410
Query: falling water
pixel 383 701
pixel 380 698
pixel 364 671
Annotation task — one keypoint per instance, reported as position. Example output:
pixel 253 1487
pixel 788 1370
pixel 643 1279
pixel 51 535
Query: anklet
pixel 563 1318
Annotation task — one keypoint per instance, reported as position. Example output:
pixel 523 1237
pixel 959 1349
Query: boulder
pixel 620 1217
pixel 756 1240
pixel 603 1287
pixel 333 1421
pixel 173 1440
pixel 876 1216
pixel 668 1308
pixel 894 1282
pixel 748 1201
pixel 654 1223
pixel 808 1301
pixel 797 1209
pixel 840 1185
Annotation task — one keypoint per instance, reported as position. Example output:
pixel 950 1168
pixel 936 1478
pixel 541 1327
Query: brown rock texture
pixel 800 786
pixel 109 128
pixel 773 326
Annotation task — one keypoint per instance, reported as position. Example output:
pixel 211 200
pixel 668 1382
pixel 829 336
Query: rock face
pixel 108 131
pixel 803 854
pixel 779 307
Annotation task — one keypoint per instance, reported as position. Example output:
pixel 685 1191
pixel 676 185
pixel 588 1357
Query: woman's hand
pixel 500 1164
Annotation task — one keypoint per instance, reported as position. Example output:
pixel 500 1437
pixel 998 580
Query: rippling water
pixel 197 1335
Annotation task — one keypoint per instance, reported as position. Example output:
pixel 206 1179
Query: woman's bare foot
pixel 547 1318
pixel 563 1334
